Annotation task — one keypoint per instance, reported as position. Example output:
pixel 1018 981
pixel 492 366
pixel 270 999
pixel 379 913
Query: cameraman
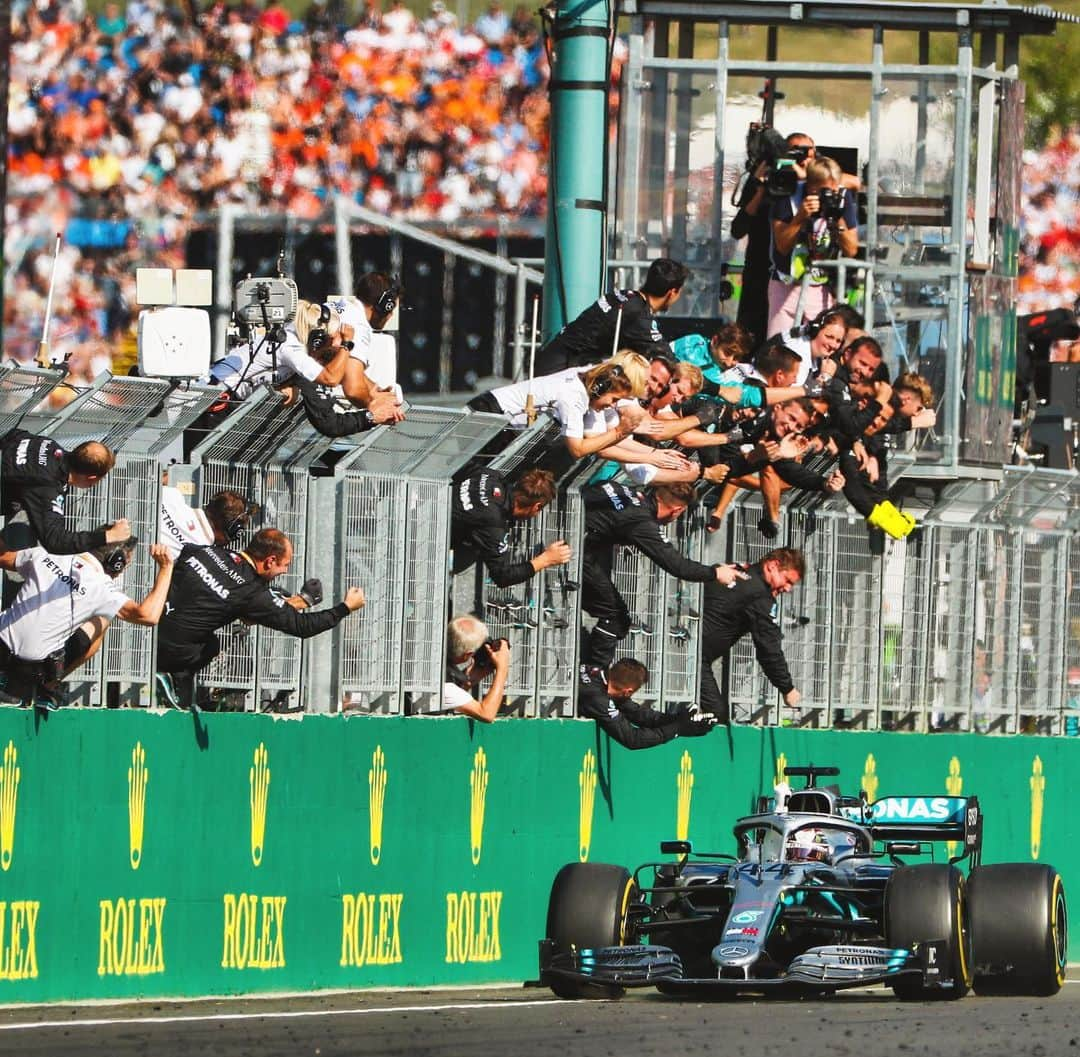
pixel 818 222
pixel 751 221
pixel 471 656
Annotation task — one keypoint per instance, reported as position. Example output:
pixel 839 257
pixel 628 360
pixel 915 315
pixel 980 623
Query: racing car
pixel 820 896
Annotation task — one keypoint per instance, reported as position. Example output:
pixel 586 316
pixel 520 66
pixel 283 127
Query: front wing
pixel 818 969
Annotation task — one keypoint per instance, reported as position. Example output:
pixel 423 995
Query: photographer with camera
pixel 817 221
pixel 472 656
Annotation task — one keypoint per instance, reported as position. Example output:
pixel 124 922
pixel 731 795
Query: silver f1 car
pixel 819 897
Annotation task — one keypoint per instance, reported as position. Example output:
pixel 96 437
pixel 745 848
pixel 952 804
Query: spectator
pixel 607 697
pixel 484 506
pixel 746 605
pixel 62 610
pixel 214 586
pixel 471 657
pixel 616 514
pixel 625 314
pixel 35 476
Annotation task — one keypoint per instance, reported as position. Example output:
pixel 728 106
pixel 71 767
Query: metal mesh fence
pixel 21 390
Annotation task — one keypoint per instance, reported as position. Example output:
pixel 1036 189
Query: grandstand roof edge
pixel 890 14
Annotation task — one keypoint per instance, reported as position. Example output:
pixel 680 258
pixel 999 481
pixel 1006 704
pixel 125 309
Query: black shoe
pixel 876 540
pixel 768 528
pixel 167 690
pixel 49 699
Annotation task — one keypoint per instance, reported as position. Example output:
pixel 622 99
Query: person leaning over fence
pixel 607 697
pixel 35 476
pixel 471 657
pixel 212 587
pixel 62 610
pixel 568 396
pixel 616 514
pixel 484 506
pixel 747 605
pixel 224 518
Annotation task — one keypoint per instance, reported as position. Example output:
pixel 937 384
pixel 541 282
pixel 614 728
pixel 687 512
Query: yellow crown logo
pixel 1038 787
pixel 259 778
pixel 685 784
pixel 870 778
pixel 376 783
pixel 954 786
pixel 587 797
pixel 781 763
pixel 478 783
pixel 9 797
pixel 138 776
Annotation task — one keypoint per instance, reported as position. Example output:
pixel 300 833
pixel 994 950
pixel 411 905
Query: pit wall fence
pixel 148 854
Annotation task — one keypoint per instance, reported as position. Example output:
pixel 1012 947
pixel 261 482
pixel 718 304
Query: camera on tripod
pixel 265 302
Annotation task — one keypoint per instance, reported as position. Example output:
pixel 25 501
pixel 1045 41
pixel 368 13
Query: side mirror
pixel 676 847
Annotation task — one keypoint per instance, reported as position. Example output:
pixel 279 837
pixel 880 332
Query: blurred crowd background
pixel 127 124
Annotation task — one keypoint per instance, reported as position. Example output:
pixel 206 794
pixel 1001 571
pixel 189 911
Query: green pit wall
pixel 394 852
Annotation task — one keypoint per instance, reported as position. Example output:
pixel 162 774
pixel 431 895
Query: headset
pixel 816 325
pixel 607 381
pixel 388 299
pixel 239 523
pixel 115 560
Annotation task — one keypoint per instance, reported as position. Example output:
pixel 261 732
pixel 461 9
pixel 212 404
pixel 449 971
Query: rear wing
pixel 928 818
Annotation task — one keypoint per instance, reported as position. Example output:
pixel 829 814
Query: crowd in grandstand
pixel 126 125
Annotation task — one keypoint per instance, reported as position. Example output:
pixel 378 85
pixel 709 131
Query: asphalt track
pixel 525 1022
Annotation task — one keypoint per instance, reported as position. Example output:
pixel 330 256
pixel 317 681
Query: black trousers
pixel 600 599
pixel 714 645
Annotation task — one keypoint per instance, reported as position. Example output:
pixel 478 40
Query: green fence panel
pixel 145 854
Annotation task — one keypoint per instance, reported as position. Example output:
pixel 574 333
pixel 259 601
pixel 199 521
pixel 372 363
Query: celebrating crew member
pixel 212 587
pixel 59 617
pixel 472 656
pixel 221 521
pixel 607 697
pixel 623 314
pixel 35 475
pixel 747 606
pixel 483 508
pixel 617 514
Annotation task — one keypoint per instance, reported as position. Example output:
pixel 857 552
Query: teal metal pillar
pixel 576 243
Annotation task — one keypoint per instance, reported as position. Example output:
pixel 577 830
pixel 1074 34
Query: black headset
pixel 115 560
pixel 319 336
pixel 237 525
pixel 820 321
pixel 606 382
pixel 388 299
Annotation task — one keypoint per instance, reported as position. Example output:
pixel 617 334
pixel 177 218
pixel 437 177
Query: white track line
pixel 103 1022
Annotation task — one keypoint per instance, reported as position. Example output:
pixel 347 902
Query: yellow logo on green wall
pixel 259 779
pixel 1038 787
pixel 869 782
pixel 781 763
pixel 9 798
pixel 376 781
pixel 685 785
pixel 138 777
pixel 954 786
pixel 478 783
pixel 587 797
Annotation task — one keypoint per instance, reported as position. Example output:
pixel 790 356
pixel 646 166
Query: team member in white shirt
pixel 59 617
pixel 316 328
pixel 222 520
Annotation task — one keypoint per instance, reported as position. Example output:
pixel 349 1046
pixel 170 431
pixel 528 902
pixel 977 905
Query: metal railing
pixel 971 623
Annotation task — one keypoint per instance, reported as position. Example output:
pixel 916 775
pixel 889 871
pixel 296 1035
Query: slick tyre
pixel 1019 929
pixel 587 908
pixel 929 902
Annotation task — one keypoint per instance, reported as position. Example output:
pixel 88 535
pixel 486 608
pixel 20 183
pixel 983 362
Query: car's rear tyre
pixel 929 902
pixel 1019 929
pixel 587 908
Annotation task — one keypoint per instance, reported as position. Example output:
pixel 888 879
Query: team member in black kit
pixel 212 587
pixel 591 337
pixel 483 507
pixel 35 475
pixel 614 514
pixel 607 698
pixel 728 614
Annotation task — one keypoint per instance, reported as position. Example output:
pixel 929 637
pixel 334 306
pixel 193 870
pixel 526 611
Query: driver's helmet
pixel 808 845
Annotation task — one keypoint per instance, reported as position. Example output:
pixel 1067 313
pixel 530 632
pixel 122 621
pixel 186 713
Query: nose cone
pixel 734 954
